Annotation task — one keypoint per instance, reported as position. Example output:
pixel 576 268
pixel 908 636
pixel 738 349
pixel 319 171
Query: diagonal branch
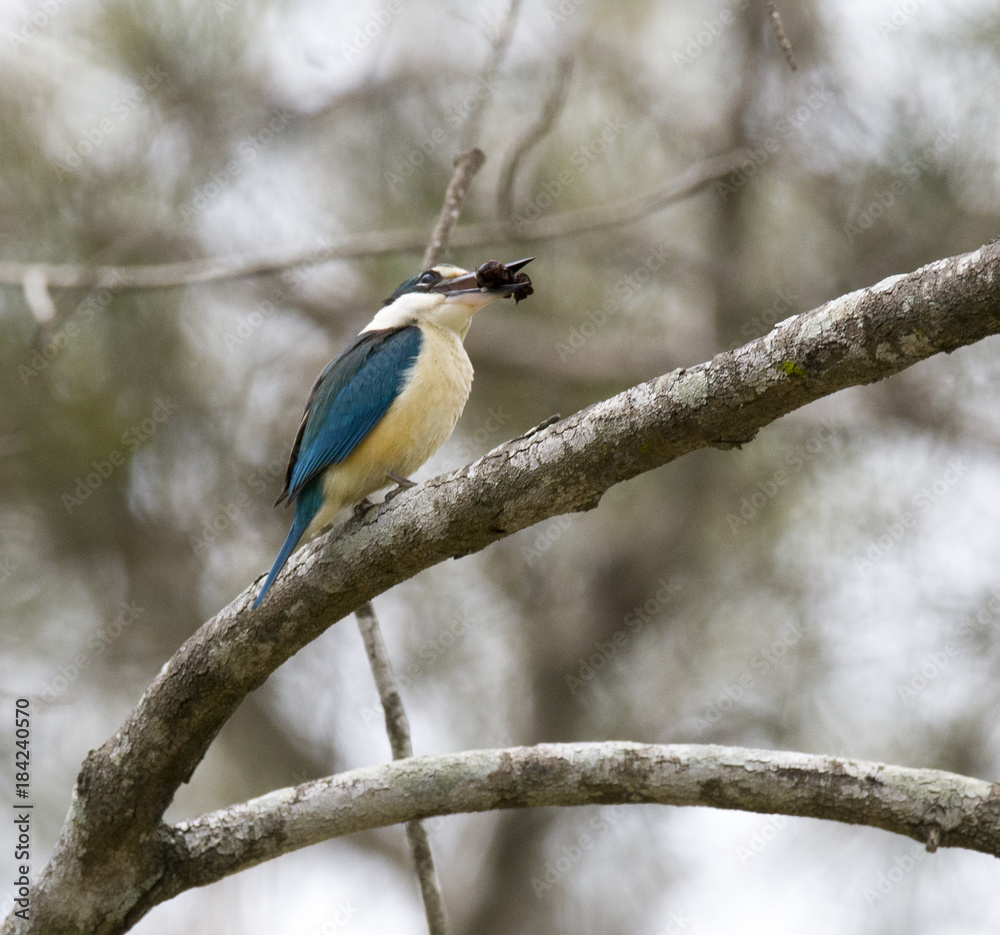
pixel 108 863
pixel 934 807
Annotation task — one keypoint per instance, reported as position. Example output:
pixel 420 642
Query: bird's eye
pixel 428 278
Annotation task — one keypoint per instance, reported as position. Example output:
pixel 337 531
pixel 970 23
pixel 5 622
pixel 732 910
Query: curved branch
pixel 376 243
pixel 108 862
pixel 934 807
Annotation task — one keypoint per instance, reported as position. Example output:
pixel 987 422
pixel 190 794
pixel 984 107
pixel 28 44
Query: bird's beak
pixel 491 279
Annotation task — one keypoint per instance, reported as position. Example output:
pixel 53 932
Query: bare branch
pixel 779 34
pixel 467 164
pixel 397 726
pixel 107 868
pixel 931 806
pixel 378 243
pixel 537 132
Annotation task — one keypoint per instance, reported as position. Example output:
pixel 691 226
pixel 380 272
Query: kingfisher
pixel 392 397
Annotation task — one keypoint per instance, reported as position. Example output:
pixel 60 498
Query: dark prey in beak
pixel 504 279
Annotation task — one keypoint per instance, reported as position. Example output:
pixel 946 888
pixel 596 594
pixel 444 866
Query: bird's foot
pixel 402 483
pixel 362 507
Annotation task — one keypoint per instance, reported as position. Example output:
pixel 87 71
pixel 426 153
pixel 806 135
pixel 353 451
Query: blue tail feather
pixel 307 505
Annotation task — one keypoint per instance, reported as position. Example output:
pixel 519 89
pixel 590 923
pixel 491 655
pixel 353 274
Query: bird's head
pixel 449 296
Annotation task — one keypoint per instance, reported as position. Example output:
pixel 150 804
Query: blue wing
pixel 352 393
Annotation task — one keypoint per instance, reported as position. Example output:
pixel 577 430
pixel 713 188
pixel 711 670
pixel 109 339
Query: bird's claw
pixel 402 483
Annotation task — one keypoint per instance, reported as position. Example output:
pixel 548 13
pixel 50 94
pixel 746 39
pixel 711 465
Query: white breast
pixel 423 416
pixel 417 423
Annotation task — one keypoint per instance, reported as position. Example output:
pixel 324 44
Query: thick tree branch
pixel 377 243
pixel 931 806
pixel 110 859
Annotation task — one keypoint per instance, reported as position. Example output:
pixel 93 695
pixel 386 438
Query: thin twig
pixel 779 34
pixel 467 164
pixel 473 125
pixel 378 243
pixel 536 133
pixel 397 726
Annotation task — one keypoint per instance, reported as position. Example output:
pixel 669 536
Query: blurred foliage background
pixel 832 588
